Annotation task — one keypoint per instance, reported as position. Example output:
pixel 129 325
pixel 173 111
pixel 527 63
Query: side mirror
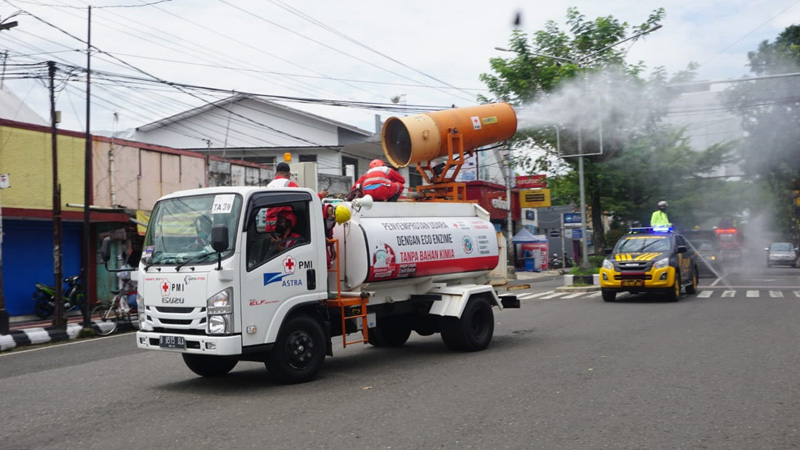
pixel 219 237
pixel 682 249
pixel 766 249
pixel 105 249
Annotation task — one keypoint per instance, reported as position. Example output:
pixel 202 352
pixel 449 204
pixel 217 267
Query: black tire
pixel 473 331
pixel 392 332
pixel 299 350
pixel 209 366
pixel 675 292
pixel 609 296
pixel 105 318
pixel 692 288
pixel 43 307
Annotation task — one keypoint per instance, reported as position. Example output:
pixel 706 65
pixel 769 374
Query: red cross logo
pixel 164 288
pixel 476 122
pixel 288 264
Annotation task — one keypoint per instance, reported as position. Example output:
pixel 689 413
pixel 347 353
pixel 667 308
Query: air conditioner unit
pixel 305 174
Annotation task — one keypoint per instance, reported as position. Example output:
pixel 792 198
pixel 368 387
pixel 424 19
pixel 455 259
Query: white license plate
pixel 172 342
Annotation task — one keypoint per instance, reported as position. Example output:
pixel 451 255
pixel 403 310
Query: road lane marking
pixel 705 294
pixel 598 294
pixel 751 294
pixel 530 296
pixel 574 295
pixel 796 293
pixel 776 294
pixel 553 295
pixel 728 293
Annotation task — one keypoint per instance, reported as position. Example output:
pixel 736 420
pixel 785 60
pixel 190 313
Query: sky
pixel 418 55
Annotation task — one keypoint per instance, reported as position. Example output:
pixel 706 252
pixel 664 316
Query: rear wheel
pixel 609 296
pixel 209 366
pixel 43 305
pixel 473 331
pixel 675 293
pixel 692 288
pixel 299 350
pixel 392 332
pixel 105 318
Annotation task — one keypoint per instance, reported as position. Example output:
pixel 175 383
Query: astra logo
pixel 274 277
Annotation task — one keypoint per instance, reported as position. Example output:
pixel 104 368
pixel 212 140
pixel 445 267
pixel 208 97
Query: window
pixel 308 158
pixel 274 229
pixel 346 161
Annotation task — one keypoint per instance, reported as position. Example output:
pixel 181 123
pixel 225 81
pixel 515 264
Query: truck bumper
pixel 655 279
pixel 206 345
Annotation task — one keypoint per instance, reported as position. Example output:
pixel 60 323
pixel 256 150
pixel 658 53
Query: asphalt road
pixel 562 373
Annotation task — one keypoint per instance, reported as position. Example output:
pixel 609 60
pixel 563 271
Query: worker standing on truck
pixel 659 217
pixel 282 180
pixel 381 182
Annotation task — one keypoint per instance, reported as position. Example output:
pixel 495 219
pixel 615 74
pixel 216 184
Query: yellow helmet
pixel 342 214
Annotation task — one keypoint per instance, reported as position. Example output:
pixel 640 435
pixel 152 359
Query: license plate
pixel 633 283
pixel 172 342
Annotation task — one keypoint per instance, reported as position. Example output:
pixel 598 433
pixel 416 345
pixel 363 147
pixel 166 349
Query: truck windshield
pixel 180 228
pixel 644 244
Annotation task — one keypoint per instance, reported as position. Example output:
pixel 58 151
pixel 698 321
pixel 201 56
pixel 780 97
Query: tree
pixel 557 77
pixel 770 113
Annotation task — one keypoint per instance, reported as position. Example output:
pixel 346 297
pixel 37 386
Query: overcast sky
pixel 421 52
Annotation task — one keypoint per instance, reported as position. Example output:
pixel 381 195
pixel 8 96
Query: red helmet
pixel 288 214
pixel 376 163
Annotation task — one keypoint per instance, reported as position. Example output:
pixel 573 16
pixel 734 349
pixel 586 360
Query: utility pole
pixel 58 298
pixel 87 183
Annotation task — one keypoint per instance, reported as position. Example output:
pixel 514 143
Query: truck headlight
pixel 220 312
pixel 661 263
pixel 607 264
pixel 140 310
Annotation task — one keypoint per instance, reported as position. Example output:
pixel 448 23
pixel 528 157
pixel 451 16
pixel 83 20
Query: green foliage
pixel 86 333
pixel 577 270
pixel 596 260
pixel 770 150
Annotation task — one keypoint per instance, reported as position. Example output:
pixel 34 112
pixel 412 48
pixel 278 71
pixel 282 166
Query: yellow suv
pixel 650 259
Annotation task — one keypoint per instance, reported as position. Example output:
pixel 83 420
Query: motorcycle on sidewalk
pixel 44 298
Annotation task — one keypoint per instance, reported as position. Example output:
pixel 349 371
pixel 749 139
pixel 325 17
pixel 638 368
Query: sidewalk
pixel 33 332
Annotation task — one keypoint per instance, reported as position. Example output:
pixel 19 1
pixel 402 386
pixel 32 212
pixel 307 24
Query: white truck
pixel 240 296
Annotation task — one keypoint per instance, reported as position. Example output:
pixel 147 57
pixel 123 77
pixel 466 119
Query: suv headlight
pixel 661 263
pixel 220 312
pixel 607 264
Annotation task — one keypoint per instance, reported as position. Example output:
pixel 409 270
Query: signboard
pixel 572 220
pixel 5 182
pixel 531 181
pixel 576 233
pixel 555 233
pixel 534 198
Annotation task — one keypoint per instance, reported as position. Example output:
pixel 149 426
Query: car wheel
pixel 675 293
pixel 692 288
pixel 609 296
pixel 471 332
pixel 299 350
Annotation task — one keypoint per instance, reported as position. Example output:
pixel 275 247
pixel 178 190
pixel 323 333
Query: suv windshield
pixel 635 244
pixel 179 231
pixel 782 247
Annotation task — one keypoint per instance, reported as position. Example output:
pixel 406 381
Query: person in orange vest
pixel 381 182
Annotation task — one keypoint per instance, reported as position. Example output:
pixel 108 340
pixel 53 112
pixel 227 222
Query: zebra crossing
pixel 701 293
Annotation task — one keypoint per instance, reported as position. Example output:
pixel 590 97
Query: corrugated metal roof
pixel 13 108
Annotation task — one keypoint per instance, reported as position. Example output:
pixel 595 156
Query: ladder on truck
pixel 357 305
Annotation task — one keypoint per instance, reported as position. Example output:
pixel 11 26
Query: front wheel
pixel 209 366
pixel 609 296
pixel 473 331
pixel 675 292
pixel 43 305
pixel 105 318
pixel 299 350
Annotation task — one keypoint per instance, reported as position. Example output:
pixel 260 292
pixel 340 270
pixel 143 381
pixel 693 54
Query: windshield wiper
pixel 198 258
pixel 153 260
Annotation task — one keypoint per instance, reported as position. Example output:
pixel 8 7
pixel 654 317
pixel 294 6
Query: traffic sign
pixel 534 198
pixel 572 219
pixel 555 233
pixel 576 233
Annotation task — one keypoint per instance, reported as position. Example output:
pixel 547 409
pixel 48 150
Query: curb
pixel 44 335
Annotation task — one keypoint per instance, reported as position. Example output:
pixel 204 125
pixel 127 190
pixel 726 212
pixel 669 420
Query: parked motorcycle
pixel 44 302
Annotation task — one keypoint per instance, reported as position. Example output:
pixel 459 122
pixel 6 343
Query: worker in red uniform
pixel 283 235
pixel 381 182
pixel 282 173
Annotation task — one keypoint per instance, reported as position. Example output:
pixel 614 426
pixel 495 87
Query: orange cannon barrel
pixel 423 137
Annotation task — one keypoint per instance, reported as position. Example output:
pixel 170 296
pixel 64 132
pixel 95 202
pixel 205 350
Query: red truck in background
pixel 730 242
